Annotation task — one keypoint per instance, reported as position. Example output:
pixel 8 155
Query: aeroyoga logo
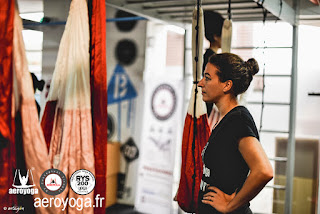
pixel 23 183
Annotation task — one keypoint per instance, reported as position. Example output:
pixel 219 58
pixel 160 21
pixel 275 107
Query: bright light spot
pixel 32 39
pixel 175 29
pixel 32 16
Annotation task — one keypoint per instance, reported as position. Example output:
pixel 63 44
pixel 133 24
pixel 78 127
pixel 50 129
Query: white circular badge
pixel 82 182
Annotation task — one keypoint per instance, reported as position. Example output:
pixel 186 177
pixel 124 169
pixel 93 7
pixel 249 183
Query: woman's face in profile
pixel 212 87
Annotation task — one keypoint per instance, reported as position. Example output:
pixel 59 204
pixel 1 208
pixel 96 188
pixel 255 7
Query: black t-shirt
pixel 223 164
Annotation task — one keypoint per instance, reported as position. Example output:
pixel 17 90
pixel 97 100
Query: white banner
pixel 162 112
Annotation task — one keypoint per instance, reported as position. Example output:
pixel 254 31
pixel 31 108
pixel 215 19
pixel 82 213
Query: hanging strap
pixel 195 101
pixel 229 10
pixel 265 12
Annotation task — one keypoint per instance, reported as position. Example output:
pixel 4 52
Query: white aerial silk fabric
pixel 71 145
pixel 200 105
pixel 226 36
pixel 198 66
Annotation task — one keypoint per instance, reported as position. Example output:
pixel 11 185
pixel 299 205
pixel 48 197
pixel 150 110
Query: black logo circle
pixel 126 52
pixel 125 26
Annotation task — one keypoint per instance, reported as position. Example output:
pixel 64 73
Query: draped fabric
pixel 7 143
pixel 6 38
pixel 191 171
pixel 226 36
pixel 47 121
pixel 68 110
pixel 33 143
pixel 98 82
pixel 196 128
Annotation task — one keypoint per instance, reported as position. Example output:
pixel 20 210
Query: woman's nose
pixel 200 84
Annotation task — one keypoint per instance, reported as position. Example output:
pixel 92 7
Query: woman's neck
pixel 226 104
pixel 214 46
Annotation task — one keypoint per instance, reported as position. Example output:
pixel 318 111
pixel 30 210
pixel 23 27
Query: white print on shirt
pixel 204 150
pixel 203 186
pixel 206 171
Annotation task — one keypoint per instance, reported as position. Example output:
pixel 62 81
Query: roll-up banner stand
pixel 162 113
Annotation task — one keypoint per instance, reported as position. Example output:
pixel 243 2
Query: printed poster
pixel 162 112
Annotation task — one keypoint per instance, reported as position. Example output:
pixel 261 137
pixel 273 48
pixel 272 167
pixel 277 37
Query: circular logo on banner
pixel 53 182
pixel 82 182
pixel 163 102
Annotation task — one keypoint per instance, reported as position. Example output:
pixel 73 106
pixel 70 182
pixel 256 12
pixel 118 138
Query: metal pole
pixel 292 121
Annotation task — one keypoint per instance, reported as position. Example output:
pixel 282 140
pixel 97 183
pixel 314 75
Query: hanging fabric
pixel 33 143
pixel 226 34
pixel 7 143
pixel 6 38
pixel 98 77
pixel 196 129
pixel 71 141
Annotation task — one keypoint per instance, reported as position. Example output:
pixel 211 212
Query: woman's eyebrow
pixel 207 74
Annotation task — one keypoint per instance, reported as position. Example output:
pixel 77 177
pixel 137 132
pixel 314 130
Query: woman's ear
pixel 228 86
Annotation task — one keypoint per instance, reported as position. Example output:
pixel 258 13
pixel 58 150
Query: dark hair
pixel 36 83
pixel 232 67
pixel 213 23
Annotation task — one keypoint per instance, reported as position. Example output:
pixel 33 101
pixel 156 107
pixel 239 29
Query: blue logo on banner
pixel 120 87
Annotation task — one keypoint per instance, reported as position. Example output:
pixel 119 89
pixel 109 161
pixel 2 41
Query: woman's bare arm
pixel 260 174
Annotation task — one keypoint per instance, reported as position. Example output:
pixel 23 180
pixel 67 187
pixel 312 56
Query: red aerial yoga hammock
pixel 196 129
pixel 7 143
pixel 98 83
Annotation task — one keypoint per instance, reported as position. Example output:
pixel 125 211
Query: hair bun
pixel 252 66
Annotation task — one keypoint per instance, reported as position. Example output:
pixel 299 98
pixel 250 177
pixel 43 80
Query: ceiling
pixel 179 11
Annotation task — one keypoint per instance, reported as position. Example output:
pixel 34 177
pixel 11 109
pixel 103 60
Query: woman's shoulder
pixel 239 113
pixel 241 123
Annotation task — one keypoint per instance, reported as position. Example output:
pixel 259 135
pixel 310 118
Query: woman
pixel 233 147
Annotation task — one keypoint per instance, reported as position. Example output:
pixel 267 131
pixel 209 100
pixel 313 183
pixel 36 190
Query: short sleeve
pixel 243 126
